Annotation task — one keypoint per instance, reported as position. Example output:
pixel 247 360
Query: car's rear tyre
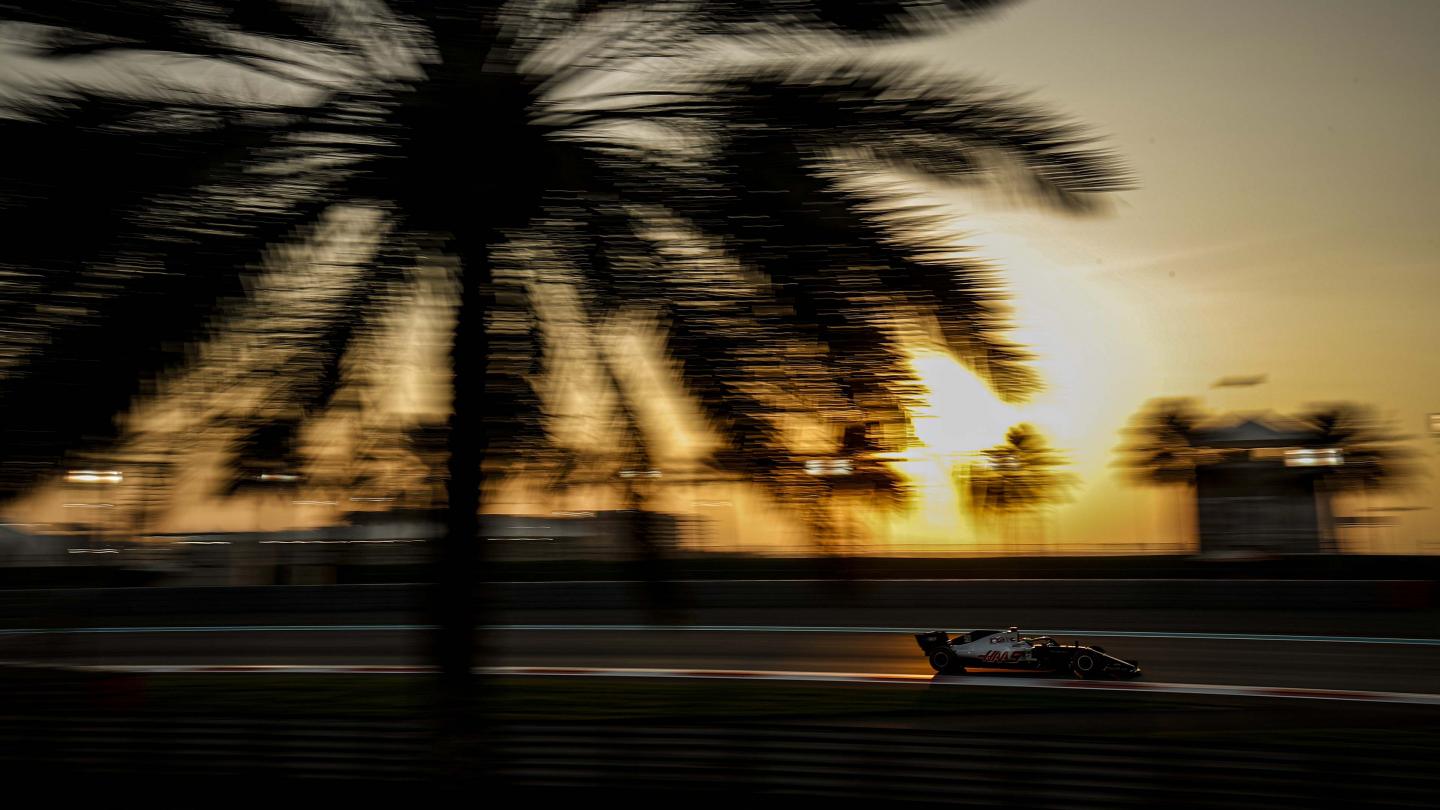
pixel 1084 665
pixel 945 663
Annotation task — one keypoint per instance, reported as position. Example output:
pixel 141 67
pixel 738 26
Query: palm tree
pixel 752 209
pixel 1160 444
pixel 1370 452
pixel 1019 476
pixel 1367 452
pixel 1162 447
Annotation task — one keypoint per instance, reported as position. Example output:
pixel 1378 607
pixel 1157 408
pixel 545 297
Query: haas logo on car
pixel 1003 656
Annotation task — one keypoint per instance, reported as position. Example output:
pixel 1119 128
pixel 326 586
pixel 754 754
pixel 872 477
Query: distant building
pixel 1256 491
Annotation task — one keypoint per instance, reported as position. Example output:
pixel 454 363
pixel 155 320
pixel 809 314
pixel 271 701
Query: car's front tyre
pixel 1084 665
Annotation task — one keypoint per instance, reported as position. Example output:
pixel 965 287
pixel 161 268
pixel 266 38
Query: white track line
pixel 991 681
pixel 1211 690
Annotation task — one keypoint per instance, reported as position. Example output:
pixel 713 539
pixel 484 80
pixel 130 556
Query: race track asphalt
pixel 1357 665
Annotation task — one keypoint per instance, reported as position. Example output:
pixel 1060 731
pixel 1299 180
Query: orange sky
pixel 1283 225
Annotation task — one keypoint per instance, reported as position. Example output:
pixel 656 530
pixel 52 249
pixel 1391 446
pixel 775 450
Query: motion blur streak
pixel 978 681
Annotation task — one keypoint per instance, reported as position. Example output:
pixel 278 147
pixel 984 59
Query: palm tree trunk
pixel 463 753
pixel 460 551
pixel 649 563
pixel 1328 533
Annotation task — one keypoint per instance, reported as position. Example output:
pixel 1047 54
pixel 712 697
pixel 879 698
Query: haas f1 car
pixel 1008 651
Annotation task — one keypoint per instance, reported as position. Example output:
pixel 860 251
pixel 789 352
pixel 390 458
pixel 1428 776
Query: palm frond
pixel 790 281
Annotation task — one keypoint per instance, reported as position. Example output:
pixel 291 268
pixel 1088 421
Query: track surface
pixel 1363 665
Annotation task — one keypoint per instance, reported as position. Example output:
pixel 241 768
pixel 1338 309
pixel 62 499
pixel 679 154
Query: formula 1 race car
pixel 1008 651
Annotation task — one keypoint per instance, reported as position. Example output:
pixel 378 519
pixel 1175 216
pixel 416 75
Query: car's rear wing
pixel 933 640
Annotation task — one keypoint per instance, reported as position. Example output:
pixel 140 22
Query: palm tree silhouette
pixel 751 208
pixel 1369 453
pixel 1161 446
pixel 1018 477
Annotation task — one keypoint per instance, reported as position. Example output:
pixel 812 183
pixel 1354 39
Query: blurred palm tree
pixel 267 457
pixel 1371 452
pixel 1017 478
pixel 1160 445
pixel 172 150
pixel 1370 455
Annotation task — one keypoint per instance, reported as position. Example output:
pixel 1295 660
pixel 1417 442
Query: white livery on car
pixel 1008 650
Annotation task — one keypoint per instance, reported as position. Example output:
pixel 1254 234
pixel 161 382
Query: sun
pixel 958 417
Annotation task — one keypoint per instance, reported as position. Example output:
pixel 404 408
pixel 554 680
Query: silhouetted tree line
pixel 1168 439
